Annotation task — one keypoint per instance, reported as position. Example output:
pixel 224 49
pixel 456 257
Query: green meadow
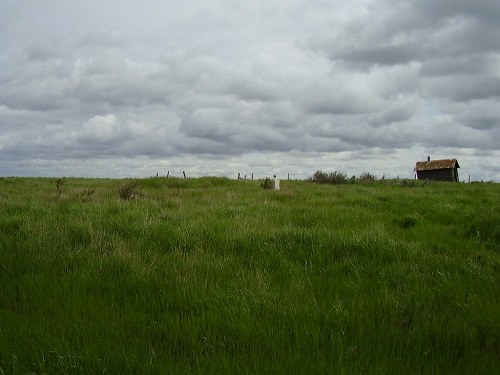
pixel 212 275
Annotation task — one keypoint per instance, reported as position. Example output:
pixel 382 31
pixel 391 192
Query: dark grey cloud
pixel 486 10
pixel 467 65
pixel 400 32
pixel 483 115
pixel 383 55
pixel 463 88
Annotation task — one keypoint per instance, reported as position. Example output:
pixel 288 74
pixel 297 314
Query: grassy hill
pixel 213 275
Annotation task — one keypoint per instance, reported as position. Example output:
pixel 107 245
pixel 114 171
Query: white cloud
pixel 101 129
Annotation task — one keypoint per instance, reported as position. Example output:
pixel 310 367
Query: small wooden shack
pixel 439 170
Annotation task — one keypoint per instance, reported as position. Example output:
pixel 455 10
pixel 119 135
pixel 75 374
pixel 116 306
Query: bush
pixel 267 184
pixel 320 177
pixel 128 191
pixel 334 178
pixel 367 177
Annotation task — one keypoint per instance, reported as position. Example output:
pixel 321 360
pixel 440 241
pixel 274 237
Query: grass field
pixel 213 275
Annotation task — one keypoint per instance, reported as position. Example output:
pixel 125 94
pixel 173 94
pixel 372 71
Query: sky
pixel 119 88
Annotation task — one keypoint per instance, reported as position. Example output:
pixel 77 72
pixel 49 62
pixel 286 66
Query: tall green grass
pixel 213 275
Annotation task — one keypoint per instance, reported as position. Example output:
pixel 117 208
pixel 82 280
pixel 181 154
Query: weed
pixel 59 184
pixel 367 177
pixel 86 195
pixel 128 191
pixel 406 222
pixel 267 184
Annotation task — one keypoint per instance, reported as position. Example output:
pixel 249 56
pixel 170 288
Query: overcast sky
pixel 118 88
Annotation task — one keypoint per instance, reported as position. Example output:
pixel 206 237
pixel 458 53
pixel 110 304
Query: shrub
pixel 320 177
pixel 267 184
pixel 59 184
pixel 128 191
pixel 339 178
pixel 334 178
pixel 367 177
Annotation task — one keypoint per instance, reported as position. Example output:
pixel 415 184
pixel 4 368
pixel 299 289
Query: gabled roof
pixel 436 164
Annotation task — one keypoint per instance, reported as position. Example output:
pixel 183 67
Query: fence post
pixel 184 173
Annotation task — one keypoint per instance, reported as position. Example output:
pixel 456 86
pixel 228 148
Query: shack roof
pixel 436 164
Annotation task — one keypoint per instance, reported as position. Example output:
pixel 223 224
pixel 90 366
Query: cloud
pixel 101 129
pixel 260 84
pixel 395 33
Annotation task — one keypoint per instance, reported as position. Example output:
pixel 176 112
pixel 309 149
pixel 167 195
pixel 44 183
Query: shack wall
pixel 448 174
